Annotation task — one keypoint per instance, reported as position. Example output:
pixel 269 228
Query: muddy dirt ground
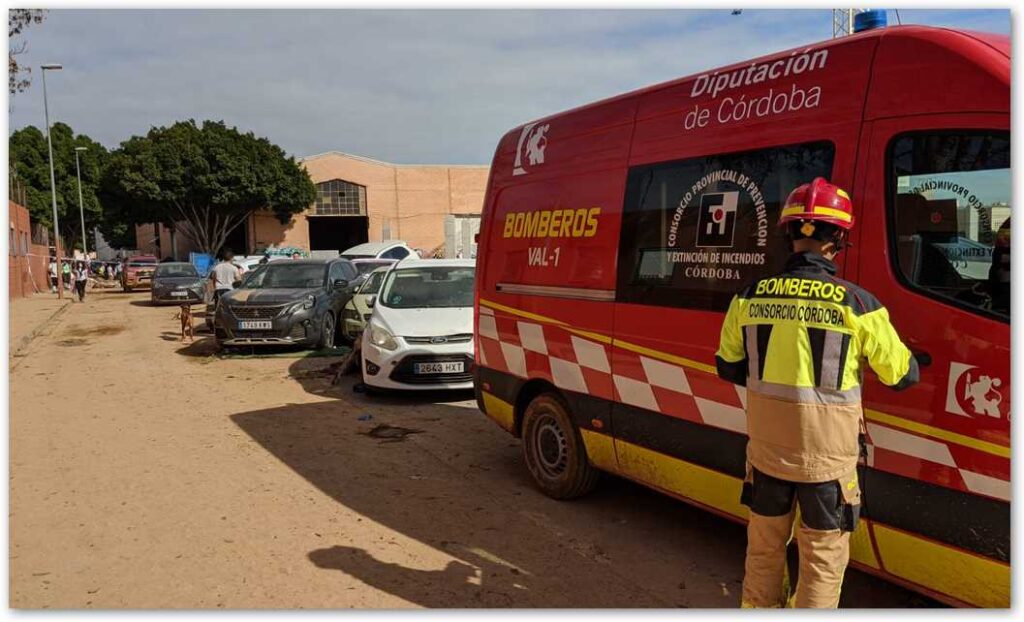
pixel 149 473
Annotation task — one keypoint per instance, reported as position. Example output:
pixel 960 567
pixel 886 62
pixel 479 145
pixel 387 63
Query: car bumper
pixel 139 283
pixel 395 368
pixel 166 297
pixel 298 328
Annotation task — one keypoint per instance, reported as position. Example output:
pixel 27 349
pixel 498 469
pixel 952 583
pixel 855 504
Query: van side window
pixel 695 232
pixel 949 216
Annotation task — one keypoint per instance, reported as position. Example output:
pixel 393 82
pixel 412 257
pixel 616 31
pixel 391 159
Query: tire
pixel 554 451
pixel 328 331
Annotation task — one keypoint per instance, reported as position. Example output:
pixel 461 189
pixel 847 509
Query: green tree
pixel 206 179
pixel 30 164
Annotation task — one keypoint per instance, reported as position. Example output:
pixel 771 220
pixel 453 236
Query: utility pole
pixel 842 21
pixel 53 183
pixel 81 207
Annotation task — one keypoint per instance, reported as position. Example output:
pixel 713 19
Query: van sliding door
pixel 694 232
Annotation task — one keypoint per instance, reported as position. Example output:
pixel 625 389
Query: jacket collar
pixel 808 260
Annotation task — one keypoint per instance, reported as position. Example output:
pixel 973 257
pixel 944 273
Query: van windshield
pixel 429 288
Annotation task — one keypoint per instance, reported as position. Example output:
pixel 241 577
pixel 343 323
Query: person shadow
pixel 457 584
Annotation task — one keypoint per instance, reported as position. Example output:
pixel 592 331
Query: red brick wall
pixel 27 262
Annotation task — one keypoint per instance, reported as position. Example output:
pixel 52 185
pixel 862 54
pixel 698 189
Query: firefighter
pixel 796 341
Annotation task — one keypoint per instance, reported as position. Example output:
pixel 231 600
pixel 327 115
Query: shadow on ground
pixel 473 500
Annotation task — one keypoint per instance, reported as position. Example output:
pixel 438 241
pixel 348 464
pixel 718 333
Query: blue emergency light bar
pixel 867 20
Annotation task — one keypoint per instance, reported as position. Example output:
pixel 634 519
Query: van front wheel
pixel 554 450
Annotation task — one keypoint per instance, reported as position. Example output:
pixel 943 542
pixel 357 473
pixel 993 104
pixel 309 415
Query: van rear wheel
pixel 554 451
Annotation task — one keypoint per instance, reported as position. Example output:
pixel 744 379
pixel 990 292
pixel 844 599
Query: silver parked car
pixel 177 282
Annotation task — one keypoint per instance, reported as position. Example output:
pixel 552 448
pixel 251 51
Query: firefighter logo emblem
pixel 716 220
pixel 972 393
pixel 533 140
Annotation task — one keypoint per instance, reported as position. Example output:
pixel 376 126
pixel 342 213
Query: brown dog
pixel 185 315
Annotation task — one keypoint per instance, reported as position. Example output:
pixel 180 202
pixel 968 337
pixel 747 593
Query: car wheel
pixel 327 332
pixel 554 451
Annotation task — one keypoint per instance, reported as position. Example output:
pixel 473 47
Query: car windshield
pixel 176 270
pixel 369 266
pixel 287 276
pixel 251 275
pixel 142 262
pixel 372 284
pixel 428 288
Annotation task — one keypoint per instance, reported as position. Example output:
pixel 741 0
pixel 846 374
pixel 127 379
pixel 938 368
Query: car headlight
pixel 382 337
pixel 308 303
pixel 349 314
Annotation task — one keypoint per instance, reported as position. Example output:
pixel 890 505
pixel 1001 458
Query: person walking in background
pixel 65 271
pixel 81 277
pixel 224 275
pixel 53 275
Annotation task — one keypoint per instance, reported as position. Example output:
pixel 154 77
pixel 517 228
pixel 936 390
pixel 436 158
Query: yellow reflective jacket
pixel 796 341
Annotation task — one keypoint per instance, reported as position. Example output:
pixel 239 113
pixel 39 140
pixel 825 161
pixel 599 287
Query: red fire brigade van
pixel 615 234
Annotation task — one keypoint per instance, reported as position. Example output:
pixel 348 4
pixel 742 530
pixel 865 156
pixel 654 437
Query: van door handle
pixel 924 359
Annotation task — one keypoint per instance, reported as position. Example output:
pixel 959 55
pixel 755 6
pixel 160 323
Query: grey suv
pixel 290 302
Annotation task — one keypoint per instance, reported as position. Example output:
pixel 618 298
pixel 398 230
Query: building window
pixel 340 198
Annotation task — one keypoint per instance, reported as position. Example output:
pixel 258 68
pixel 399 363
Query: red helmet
pixel 818 201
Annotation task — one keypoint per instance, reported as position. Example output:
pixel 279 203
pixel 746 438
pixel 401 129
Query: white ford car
pixel 420 333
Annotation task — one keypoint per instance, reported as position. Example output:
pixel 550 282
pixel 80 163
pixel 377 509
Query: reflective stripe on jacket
pixel 796 341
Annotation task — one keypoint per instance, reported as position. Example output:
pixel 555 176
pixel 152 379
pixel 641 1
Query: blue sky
pixel 402 86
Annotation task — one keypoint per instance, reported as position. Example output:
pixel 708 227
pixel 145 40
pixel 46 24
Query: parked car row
pixel 411 319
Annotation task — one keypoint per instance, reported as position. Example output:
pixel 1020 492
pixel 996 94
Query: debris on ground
pixel 364 417
pixel 390 433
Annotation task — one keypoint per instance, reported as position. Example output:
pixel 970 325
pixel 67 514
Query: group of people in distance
pixel 73 274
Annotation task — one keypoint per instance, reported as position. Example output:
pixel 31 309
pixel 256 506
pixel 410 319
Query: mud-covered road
pixel 150 473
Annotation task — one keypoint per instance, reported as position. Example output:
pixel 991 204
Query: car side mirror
pixel 372 300
pixel 340 284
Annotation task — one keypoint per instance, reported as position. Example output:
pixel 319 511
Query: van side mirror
pixel 372 300
pixel 340 283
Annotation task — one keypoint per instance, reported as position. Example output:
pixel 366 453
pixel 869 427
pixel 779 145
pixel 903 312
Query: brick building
pixel 358 200
pixel 26 270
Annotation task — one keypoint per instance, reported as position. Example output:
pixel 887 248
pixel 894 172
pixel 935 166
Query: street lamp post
pixel 81 208
pixel 53 183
